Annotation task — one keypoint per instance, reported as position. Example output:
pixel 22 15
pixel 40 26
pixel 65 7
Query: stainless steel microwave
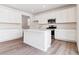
pixel 52 20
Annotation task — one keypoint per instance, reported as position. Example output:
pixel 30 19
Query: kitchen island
pixel 38 38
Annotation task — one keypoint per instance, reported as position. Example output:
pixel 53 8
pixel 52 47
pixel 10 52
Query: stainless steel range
pixel 52 27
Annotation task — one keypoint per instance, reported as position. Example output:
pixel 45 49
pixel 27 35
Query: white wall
pixel 10 23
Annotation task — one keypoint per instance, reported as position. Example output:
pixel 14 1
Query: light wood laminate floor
pixel 17 47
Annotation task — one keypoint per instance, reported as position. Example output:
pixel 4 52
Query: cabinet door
pixel 66 15
pixel 71 14
pixel 66 35
pixel 9 15
pixel 61 16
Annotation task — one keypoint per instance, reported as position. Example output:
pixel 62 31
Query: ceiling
pixel 34 8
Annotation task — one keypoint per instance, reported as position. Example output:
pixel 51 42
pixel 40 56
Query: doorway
pixel 25 20
pixel 25 25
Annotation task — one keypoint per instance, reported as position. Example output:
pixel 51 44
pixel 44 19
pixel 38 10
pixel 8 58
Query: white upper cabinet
pixel 66 15
pixel 71 14
pixel 62 16
pixel 9 15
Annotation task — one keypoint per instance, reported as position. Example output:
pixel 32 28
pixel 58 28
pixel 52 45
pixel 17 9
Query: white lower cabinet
pixel 65 35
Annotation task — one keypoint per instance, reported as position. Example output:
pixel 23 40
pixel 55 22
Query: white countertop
pixel 38 29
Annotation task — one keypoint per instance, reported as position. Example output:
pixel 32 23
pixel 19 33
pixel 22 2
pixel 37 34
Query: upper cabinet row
pixel 64 15
pixel 8 15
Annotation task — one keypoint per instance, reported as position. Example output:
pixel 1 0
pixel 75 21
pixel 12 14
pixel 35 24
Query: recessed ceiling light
pixel 32 10
pixel 44 6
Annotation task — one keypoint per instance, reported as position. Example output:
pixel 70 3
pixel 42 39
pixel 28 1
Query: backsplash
pixel 59 26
